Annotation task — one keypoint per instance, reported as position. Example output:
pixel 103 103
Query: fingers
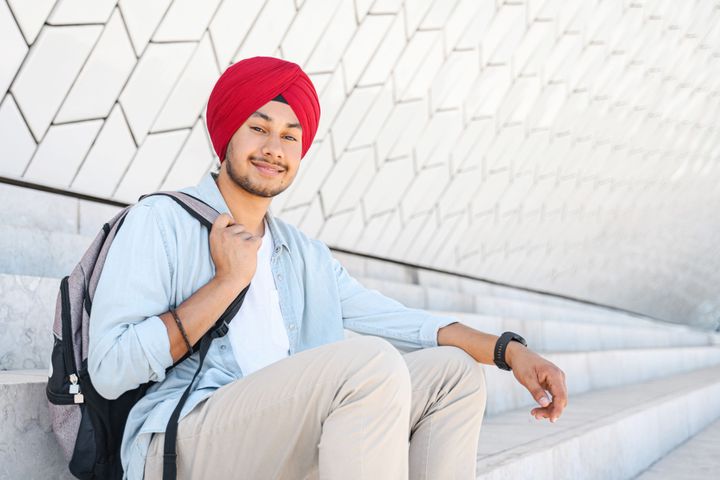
pixel 538 394
pixel 556 385
pixel 541 397
pixel 223 220
pixel 540 413
pixel 239 229
pixel 552 379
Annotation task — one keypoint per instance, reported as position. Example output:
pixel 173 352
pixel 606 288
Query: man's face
pixel 271 137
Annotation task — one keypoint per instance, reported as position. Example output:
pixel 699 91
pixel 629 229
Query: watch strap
pixel 501 347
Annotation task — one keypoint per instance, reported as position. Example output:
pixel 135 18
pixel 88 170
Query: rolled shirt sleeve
pixel 129 343
pixel 368 311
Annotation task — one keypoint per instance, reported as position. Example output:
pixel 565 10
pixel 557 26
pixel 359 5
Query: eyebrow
pixel 267 117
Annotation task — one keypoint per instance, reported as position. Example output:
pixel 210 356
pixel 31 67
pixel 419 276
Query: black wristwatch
pixel 501 346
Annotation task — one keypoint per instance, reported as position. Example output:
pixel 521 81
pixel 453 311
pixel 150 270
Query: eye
pixel 257 129
pixel 291 138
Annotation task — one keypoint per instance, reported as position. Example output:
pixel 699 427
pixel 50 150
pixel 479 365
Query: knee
pixel 370 345
pixel 380 352
pixel 382 360
pixel 471 374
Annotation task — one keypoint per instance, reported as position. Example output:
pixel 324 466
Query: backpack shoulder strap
pixel 203 212
pixel 206 215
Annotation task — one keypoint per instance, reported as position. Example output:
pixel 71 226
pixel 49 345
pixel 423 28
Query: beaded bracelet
pixel 182 329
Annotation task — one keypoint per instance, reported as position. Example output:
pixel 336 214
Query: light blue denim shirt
pixel 161 256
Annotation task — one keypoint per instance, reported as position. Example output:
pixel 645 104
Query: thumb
pixel 538 394
pixel 223 220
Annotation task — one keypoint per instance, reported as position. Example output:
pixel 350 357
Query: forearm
pixel 198 313
pixel 477 344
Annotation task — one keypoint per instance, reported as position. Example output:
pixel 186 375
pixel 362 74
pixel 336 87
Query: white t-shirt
pixel 257 333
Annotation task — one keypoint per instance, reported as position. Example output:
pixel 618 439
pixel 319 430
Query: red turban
pixel 251 83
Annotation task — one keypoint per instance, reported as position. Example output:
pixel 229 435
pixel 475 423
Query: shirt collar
pixel 208 191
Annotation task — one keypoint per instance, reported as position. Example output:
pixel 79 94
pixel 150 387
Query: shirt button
pixel 279 277
pixel 292 326
pixel 223 347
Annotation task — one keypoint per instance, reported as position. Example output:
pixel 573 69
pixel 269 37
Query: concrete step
pixel 607 434
pixel 610 424
pixel 422 281
pixel 360 266
pixel 27 309
pixel 696 459
pixel 46 234
pixel 54 253
pixel 437 298
pixel 28 448
pixel 551 335
pixel 52 232
pixel 42 253
pixel 51 245
pixel 482 289
pixel 585 370
pixel 570 312
pixel 590 371
pixel 51 212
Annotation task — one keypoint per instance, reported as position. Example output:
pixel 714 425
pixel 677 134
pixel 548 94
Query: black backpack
pixel 88 426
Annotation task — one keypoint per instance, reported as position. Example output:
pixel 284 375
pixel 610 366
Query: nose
pixel 272 147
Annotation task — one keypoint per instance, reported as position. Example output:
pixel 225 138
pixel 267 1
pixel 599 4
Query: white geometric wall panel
pixel 569 146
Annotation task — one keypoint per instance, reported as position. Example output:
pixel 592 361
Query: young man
pixel 284 394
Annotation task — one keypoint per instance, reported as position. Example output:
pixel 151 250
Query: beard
pixel 247 184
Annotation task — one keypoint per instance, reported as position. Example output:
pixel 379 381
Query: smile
pixel 267 170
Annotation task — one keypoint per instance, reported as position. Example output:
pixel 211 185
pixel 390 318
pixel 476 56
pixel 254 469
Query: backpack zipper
pixel 67 341
pixel 59 398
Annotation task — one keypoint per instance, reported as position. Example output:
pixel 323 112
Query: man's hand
pixel 531 370
pixel 233 249
pixel 538 376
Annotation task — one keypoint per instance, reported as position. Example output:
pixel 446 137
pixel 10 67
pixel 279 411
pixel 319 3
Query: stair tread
pixel 10 377
pixel 695 459
pixel 516 433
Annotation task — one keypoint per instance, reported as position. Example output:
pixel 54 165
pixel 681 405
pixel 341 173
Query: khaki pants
pixel 352 409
